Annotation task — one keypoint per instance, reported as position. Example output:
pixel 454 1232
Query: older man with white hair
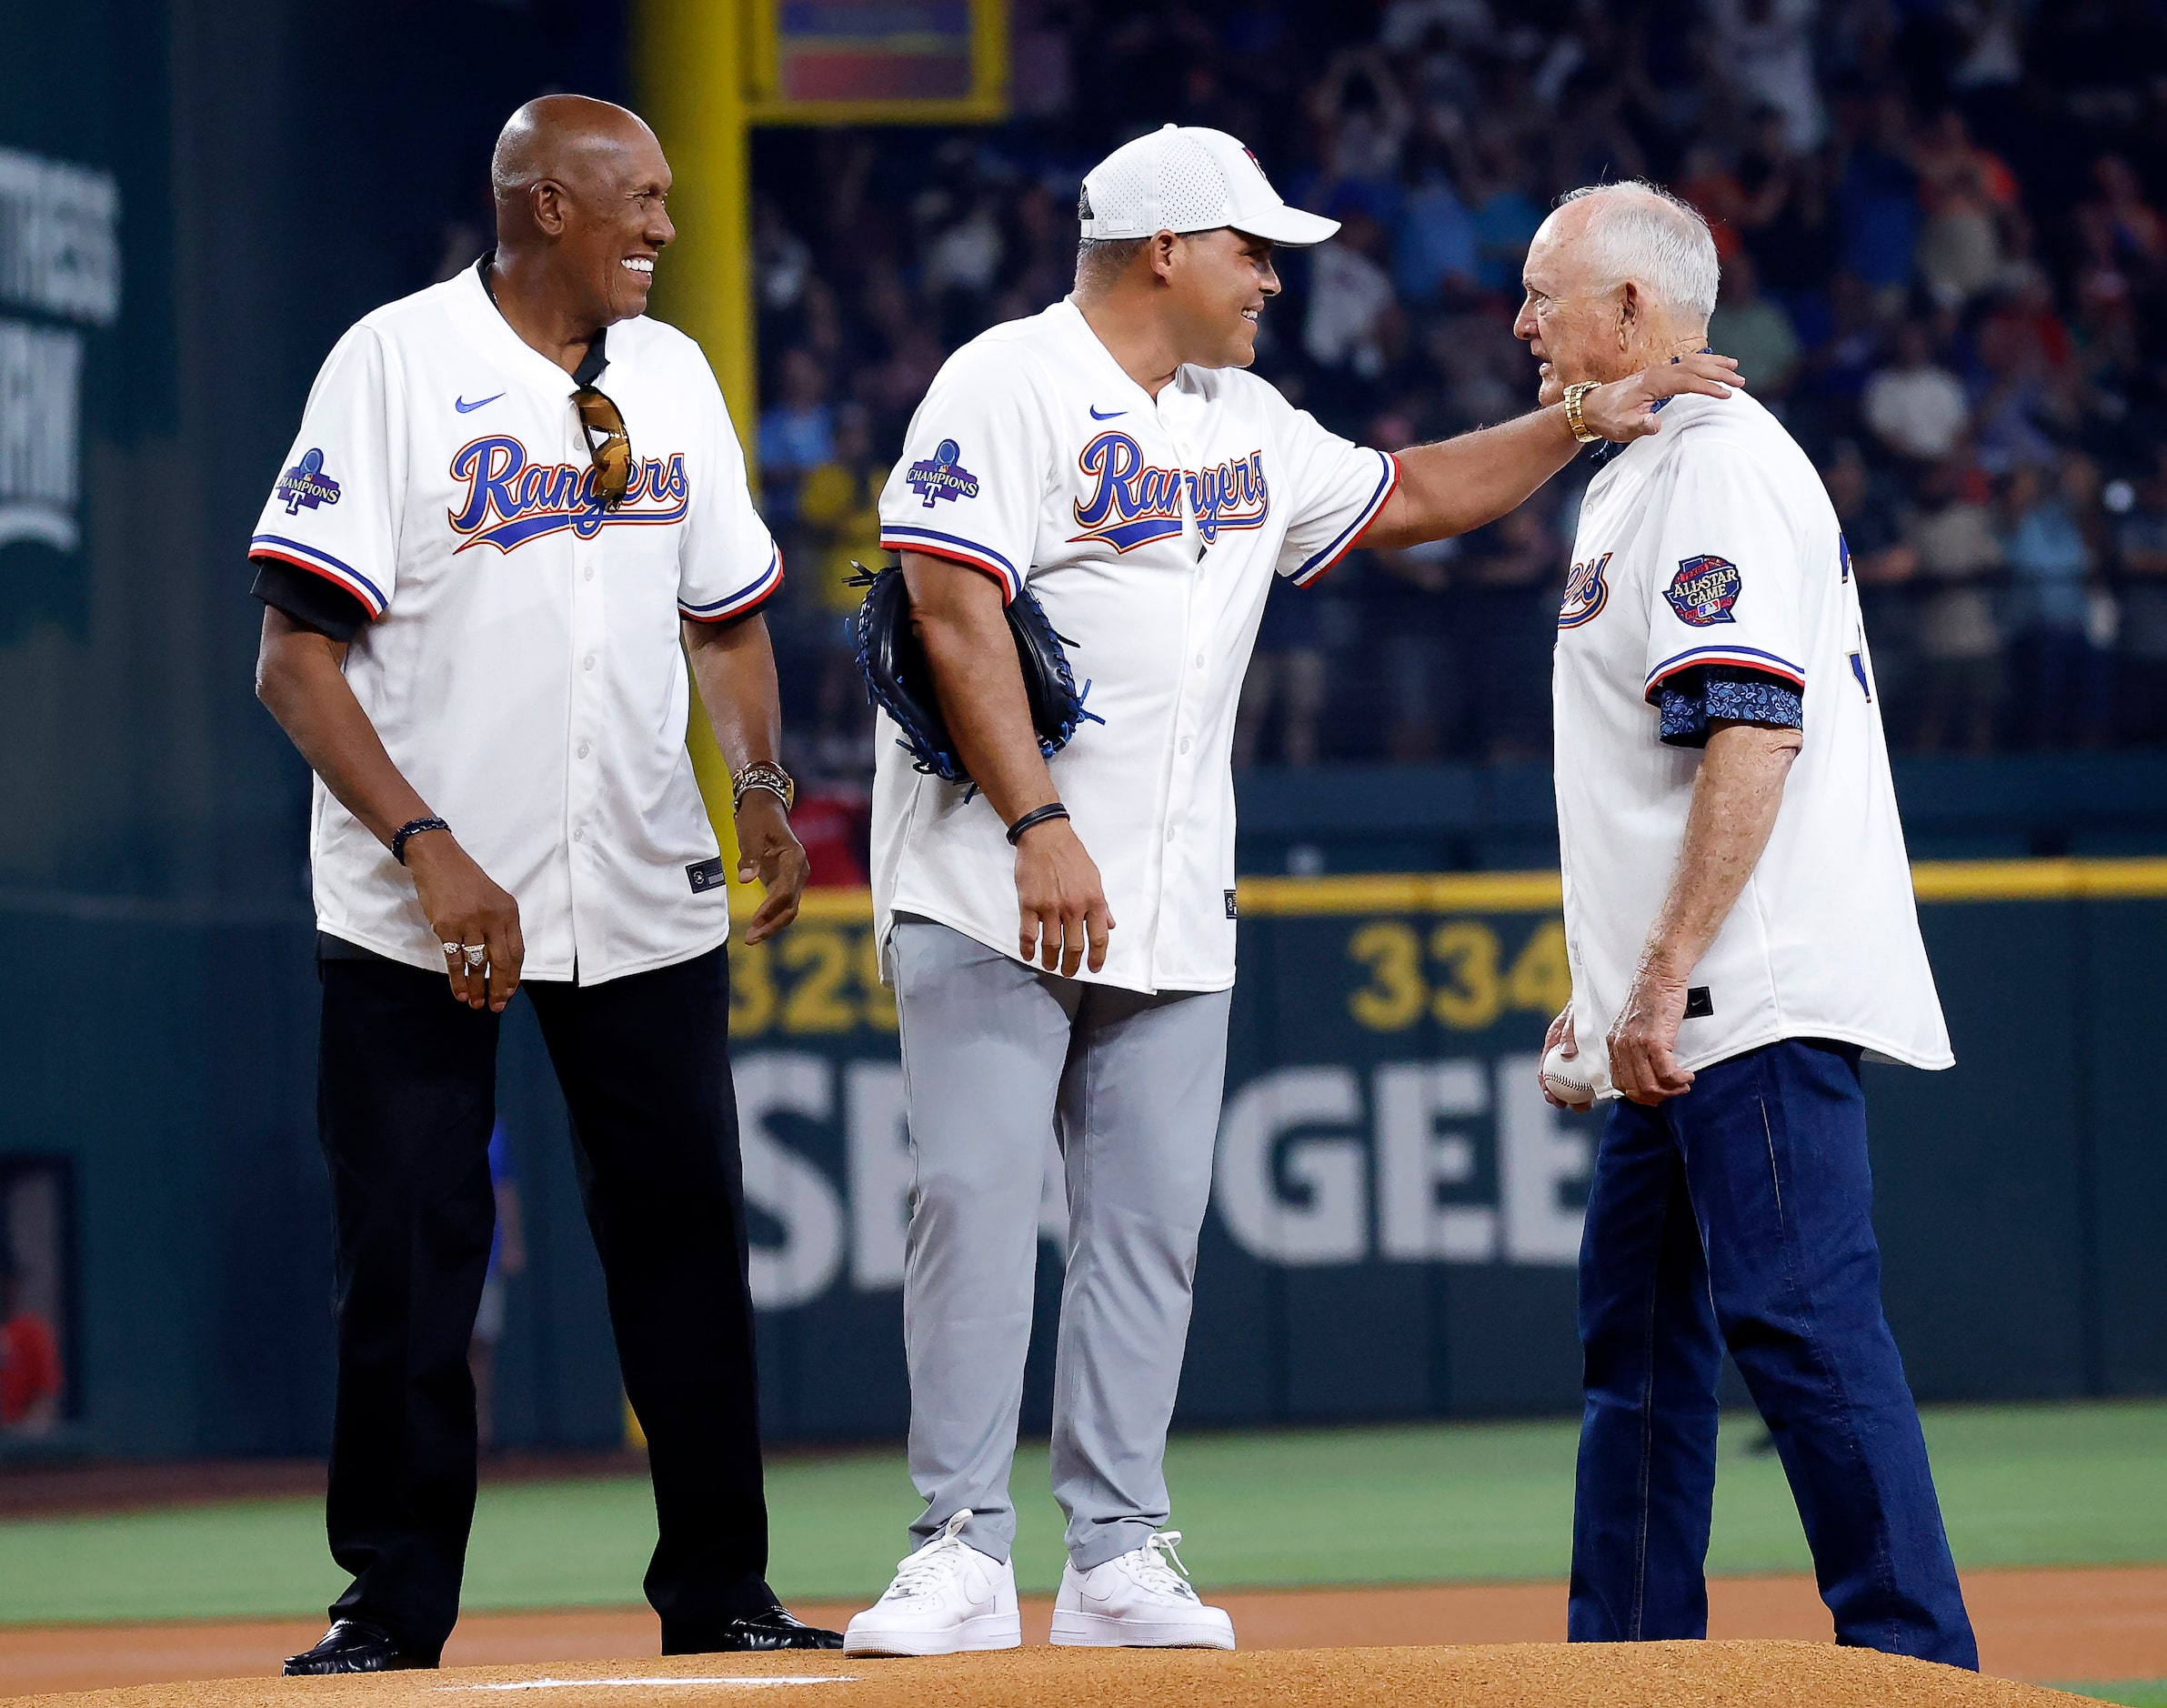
pixel 1738 911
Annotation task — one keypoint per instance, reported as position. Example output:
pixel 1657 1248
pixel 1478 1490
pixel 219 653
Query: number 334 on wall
pixel 1458 975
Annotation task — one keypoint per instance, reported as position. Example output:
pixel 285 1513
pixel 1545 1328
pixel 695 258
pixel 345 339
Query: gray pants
pixel 996 1055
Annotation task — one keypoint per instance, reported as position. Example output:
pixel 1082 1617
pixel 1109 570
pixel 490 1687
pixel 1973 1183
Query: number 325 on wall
pixel 1457 975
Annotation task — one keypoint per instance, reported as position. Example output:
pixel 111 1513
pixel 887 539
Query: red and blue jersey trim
pixel 1738 658
pixel 896 537
pixel 745 599
pixel 1344 541
pixel 318 562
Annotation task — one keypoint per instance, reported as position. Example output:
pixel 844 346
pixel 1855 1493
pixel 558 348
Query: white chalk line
pixel 621 1683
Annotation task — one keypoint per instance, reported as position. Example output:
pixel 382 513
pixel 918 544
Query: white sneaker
pixel 946 1597
pixel 1140 1599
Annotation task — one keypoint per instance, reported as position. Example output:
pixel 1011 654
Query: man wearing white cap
pixel 1110 456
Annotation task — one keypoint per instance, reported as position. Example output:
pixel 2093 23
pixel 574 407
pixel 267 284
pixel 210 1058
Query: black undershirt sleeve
pixel 310 601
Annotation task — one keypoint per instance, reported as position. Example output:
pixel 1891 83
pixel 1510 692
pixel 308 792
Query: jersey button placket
pixel 589 693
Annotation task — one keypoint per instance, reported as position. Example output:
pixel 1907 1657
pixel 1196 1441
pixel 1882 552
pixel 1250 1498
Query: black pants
pixel 405 1099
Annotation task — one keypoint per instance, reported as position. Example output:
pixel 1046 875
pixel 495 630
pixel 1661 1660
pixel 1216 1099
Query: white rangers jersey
pixel 523 663
pixel 1712 545
pixel 1150 531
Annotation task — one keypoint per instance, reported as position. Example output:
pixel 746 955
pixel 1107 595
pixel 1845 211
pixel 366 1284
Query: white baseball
pixel 1566 1078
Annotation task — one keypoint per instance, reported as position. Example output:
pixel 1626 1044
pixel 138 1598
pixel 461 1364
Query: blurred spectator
pixel 798 432
pixel 1406 617
pixel 2141 541
pixel 1287 677
pixel 1880 201
pixel 2138 233
pixel 1964 190
pixel 1433 246
pixel 1960 647
pixel 1748 326
pixel 2061 621
pixel 1766 47
pixel 1885 565
pixel 838 515
pixel 1943 254
pixel 1506 215
pixel 1512 609
pixel 1351 320
pixel 1915 406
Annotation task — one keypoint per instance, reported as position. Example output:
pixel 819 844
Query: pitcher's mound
pixel 1500 1675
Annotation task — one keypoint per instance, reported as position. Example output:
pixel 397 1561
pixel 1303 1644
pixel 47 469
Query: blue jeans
pixel 1739 1216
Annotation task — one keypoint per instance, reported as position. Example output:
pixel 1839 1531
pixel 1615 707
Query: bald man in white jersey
pixel 1741 926
pixel 1061 937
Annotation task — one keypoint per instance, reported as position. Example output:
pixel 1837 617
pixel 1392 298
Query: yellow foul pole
pixel 690 72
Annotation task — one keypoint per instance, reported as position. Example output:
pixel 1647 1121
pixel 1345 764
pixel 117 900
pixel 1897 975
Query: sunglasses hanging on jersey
pixel 607 444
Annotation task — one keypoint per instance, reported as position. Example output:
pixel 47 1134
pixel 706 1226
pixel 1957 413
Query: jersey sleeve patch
pixel 306 485
pixel 942 475
pixel 1703 590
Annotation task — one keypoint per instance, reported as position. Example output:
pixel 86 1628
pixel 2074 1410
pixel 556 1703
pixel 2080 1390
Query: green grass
pixel 2132 1692
pixel 2028 1485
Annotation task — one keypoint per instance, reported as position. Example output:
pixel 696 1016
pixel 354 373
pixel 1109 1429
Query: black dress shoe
pixel 776 1628
pixel 351 1645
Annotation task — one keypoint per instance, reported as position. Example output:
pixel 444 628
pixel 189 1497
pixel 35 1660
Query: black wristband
pixel 412 827
pixel 1037 815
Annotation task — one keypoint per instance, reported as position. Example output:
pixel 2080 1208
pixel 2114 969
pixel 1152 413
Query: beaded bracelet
pixel 411 829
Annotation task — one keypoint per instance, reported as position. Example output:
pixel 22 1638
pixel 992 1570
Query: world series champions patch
pixel 306 483
pixel 1704 591
pixel 943 475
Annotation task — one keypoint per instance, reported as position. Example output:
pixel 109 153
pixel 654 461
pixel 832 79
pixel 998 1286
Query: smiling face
pixel 1217 283
pixel 1568 319
pixel 611 222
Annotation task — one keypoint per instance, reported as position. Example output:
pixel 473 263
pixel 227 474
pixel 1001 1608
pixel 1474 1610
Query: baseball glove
pixel 900 682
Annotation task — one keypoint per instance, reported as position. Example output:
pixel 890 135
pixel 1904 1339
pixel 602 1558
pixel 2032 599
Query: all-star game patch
pixel 1703 590
pixel 306 483
pixel 943 475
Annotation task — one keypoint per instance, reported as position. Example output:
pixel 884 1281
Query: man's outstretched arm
pixel 1462 483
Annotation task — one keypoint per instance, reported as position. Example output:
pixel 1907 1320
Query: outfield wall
pixel 1393 1225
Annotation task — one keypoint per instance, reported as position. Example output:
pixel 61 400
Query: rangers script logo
pixel 1586 593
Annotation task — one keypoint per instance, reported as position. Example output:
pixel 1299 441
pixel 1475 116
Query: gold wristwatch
pixel 1574 394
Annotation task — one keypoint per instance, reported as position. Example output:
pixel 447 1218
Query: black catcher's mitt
pixel 899 681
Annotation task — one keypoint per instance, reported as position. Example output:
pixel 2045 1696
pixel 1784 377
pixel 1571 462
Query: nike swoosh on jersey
pixel 1109 416
pixel 464 407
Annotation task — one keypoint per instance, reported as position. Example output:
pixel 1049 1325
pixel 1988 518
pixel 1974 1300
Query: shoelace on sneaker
pixel 932 1564
pixel 1157 1567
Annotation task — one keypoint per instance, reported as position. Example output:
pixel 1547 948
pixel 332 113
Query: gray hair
pixel 1643 233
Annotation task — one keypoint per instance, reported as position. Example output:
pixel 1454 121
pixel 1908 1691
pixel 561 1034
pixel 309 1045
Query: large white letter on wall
pixel 1328 1225
pixel 1537 1154
pixel 1414 1159
pixel 879 1141
pixel 783 1183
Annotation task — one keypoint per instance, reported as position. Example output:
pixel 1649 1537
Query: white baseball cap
pixel 1183 177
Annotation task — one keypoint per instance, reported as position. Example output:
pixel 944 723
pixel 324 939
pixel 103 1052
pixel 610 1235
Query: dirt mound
pixel 1496 1675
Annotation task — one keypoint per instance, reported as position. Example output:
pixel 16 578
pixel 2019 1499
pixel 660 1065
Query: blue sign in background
pixel 1395 1212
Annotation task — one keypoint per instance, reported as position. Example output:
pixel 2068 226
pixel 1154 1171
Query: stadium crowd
pixel 1943 266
